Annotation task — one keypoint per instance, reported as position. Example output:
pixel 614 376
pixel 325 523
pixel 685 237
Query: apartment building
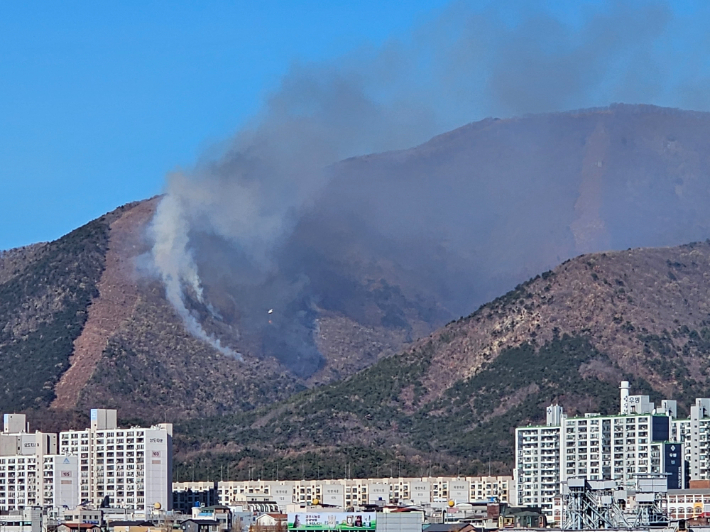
pixel 693 433
pixel 31 472
pixel 538 461
pixel 61 481
pixel 187 495
pixel 131 467
pixel 358 492
pixel 616 447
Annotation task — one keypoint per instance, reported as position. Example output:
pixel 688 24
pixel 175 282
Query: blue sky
pixel 99 100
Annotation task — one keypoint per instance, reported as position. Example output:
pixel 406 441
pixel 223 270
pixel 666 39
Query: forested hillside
pixel 567 336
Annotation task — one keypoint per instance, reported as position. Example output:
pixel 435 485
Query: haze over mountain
pixel 449 403
pixel 247 236
pixel 418 236
pixel 395 245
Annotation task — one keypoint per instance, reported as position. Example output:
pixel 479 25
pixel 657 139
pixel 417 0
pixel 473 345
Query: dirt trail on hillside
pixel 118 294
pixel 590 231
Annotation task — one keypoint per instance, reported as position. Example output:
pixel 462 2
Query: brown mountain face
pixel 475 211
pixel 567 336
pixel 408 240
pixel 120 342
pixel 395 245
pixel 648 310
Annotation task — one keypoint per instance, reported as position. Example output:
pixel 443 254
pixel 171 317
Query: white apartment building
pixel 130 466
pixel 596 447
pixel 538 461
pixel 615 447
pixel 693 433
pixel 61 481
pixel 31 472
pixel 357 492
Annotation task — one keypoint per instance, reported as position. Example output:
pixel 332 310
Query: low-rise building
pixel 270 523
pixel 200 525
pixel 25 520
pixel 688 503
pixel 347 493
pixel 78 527
pixel 134 526
pixel 220 513
pixel 187 495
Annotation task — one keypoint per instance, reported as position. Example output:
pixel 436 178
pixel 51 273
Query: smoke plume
pixel 256 241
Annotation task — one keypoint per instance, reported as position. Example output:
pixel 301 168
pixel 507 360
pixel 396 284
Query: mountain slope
pixel 407 240
pixel 569 335
pixel 43 299
pixel 395 245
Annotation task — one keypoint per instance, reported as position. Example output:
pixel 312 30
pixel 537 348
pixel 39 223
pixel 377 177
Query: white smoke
pixel 251 196
pixel 467 64
pixel 174 261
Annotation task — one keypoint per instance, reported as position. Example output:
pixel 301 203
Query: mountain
pixel 83 328
pixel 394 246
pixel 404 241
pixel 454 398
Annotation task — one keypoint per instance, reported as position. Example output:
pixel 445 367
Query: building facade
pixel 132 467
pixel 354 492
pixel 31 472
pixel 538 460
pixel 127 468
pixel 693 433
pixel 637 441
pixel 187 495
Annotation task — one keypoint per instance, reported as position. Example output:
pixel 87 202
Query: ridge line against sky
pixel 97 104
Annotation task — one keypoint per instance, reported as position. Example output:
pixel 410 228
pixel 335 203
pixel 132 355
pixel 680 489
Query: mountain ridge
pixel 478 210
pixel 425 404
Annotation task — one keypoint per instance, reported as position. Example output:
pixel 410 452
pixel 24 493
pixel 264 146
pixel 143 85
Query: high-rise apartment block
pixel 611 447
pixel 538 460
pixel 693 432
pixel 132 467
pixel 31 472
pixel 129 468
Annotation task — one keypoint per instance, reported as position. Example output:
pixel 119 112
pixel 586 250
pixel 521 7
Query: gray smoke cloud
pixel 258 238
